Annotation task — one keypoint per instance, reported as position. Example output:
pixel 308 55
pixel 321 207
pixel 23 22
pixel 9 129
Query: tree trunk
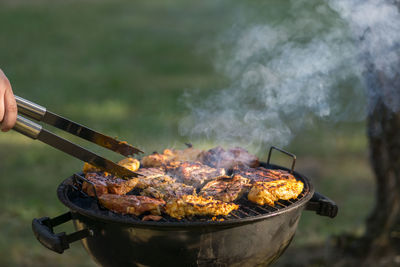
pixel 382 236
pixel 381 242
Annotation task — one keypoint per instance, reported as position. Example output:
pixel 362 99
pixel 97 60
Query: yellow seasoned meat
pixel 87 167
pixel 268 192
pixel 190 205
pixel 130 163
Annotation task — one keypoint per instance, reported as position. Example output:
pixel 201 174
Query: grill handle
pixel 293 156
pixel 322 205
pixel 43 230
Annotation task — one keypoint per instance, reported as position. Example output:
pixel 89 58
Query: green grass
pixel 121 67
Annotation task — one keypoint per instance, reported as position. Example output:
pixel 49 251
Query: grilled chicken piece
pixel 130 204
pixel 168 190
pixel 220 158
pixel 155 160
pixel 261 174
pixel 107 184
pixel 169 155
pixel 190 205
pixel 150 172
pixel 151 177
pixel 268 192
pixel 226 188
pixel 129 163
pixel 193 173
pixel 87 168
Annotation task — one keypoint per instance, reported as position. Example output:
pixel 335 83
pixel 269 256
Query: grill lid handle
pixel 293 156
pixel 322 205
pixel 43 230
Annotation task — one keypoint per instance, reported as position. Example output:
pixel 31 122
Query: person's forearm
pixel 8 106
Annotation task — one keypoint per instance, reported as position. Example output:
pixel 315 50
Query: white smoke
pixel 377 24
pixel 286 74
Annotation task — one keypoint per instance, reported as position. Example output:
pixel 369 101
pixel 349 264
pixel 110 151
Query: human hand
pixel 8 106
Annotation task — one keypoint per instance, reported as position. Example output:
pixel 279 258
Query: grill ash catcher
pixel 252 235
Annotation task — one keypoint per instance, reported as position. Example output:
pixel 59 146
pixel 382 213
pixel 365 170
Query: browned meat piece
pixel 194 173
pixel 130 163
pixel 107 184
pixel 99 184
pixel 168 190
pixel 261 174
pixel 155 160
pixel 130 204
pixel 150 172
pixel 190 205
pixel 221 158
pixel 158 160
pixel 151 177
pixel 226 188
pixel 268 192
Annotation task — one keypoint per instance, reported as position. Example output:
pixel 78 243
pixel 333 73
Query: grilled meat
pixel 190 205
pixel 98 186
pixel 129 163
pixel 87 167
pixel 268 192
pixel 107 184
pixel 169 155
pixel 150 172
pixel 261 174
pixel 168 190
pixel 226 189
pixel 155 160
pixel 130 204
pixel 194 173
pixel 221 158
pixel 151 177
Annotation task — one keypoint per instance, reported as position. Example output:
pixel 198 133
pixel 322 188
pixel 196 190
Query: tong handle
pixel 27 127
pixel 30 109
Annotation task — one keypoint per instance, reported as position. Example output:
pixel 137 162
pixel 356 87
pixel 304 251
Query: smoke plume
pixel 287 73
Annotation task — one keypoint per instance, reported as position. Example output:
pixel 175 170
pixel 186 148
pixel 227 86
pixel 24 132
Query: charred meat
pixel 226 188
pixel 130 204
pixel 167 191
pixel 100 184
pixel 261 174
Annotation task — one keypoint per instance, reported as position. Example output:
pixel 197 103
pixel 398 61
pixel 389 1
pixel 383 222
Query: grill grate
pixel 246 208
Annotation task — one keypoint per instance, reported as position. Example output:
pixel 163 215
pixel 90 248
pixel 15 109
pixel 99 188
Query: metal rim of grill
pixel 69 192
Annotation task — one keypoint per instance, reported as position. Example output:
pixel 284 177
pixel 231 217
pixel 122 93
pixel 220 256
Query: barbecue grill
pixel 253 235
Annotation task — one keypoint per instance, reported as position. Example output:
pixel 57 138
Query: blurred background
pixel 123 68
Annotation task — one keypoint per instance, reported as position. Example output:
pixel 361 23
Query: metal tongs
pixel 36 131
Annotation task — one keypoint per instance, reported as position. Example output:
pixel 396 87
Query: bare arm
pixel 8 107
